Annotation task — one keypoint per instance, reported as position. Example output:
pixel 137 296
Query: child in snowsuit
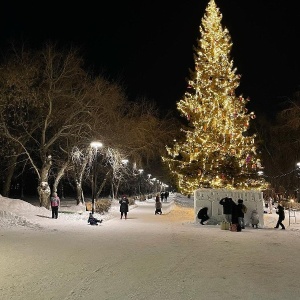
pixel 93 221
pixel 55 202
pixel 254 218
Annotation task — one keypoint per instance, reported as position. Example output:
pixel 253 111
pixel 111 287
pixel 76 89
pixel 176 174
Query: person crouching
pixel 203 215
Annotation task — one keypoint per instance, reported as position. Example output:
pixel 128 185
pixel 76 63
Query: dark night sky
pixel 148 45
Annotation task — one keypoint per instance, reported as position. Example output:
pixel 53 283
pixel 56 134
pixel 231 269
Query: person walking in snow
pixel 124 206
pixel 281 216
pixel 166 195
pixel 158 206
pixel 55 203
pixel 162 196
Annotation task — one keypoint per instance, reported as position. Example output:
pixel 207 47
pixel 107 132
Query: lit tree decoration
pixel 216 152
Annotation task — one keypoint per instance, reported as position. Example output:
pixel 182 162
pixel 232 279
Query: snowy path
pixel 150 257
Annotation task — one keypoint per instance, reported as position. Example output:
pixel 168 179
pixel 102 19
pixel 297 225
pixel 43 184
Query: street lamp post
pixel 95 145
pixel 140 183
pixel 148 184
pixel 298 181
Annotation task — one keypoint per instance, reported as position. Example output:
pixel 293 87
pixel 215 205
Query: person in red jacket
pixel 55 203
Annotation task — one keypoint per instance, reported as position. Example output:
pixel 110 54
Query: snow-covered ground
pixel 147 256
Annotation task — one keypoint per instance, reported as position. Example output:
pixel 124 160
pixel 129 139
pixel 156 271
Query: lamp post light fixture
pixel 95 145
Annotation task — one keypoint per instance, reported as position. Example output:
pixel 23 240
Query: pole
pixel 94 182
pixel 95 145
pixel 140 186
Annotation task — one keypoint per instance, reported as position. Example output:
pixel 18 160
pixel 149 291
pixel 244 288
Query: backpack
pixel 244 209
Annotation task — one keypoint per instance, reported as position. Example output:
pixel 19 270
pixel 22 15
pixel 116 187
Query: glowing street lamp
pixel 95 145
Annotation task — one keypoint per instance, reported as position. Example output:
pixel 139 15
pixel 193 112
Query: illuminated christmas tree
pixel 216 151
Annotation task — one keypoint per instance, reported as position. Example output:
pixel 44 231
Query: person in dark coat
pixel 202 215
pixel 241 210
pixel 162 196
pixel 281 216
pixel 166 195
pixel 227 208
pixel 234 213
pixel 93 221
pixel 158 206
pixel 124 205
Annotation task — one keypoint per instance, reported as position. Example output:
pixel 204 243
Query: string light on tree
pixel 217 151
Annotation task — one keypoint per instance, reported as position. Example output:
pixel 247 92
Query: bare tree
pixel 47 99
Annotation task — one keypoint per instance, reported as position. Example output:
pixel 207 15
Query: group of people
pixel 164 196
pixel 235 213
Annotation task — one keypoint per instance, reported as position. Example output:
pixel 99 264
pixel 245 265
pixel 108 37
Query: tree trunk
pixel 44 190
pixel 60 174
pixel 103 184
pixel 9 174
pixel 79 193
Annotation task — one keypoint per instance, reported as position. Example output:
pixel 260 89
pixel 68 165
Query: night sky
pixel 147 46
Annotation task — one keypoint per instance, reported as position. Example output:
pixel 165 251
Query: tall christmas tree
pixel 216 151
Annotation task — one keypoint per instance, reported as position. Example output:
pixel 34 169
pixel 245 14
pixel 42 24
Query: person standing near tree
pixel 124 206
pixel 55 203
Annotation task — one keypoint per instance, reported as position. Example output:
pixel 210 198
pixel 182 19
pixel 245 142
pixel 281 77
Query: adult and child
pixel 234 213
